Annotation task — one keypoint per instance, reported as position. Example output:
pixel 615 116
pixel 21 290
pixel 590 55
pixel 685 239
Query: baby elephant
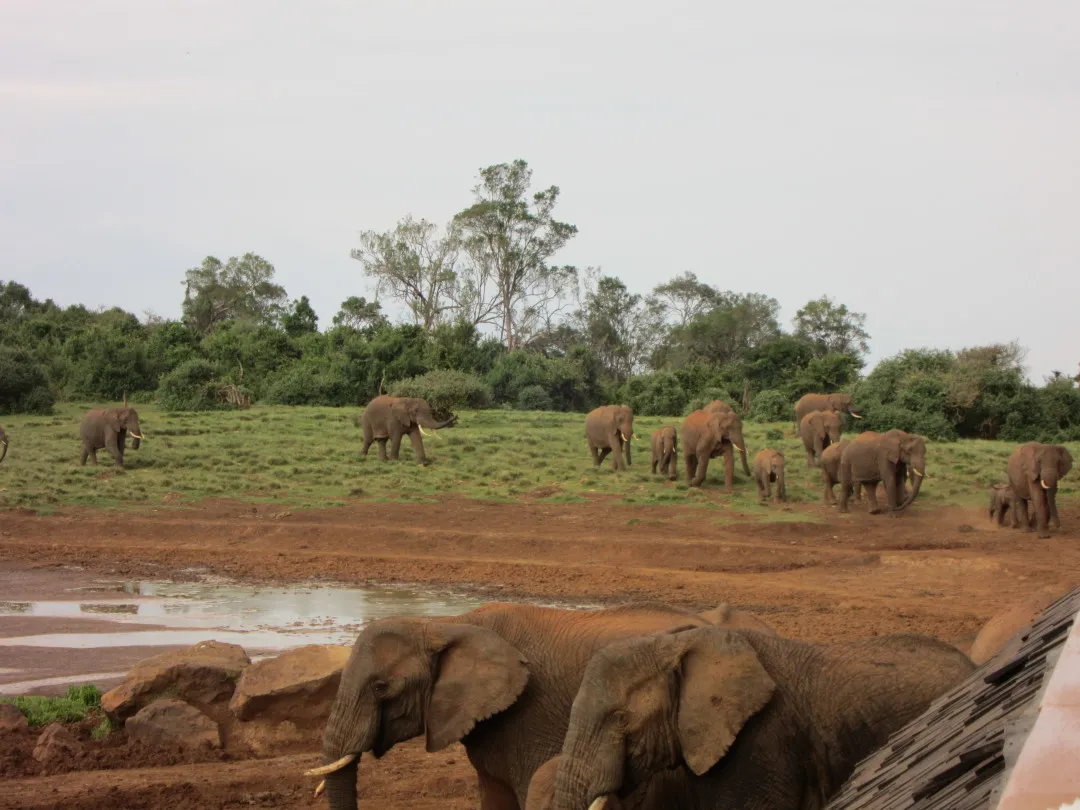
pixel 665 446
pixel 1002 499
pixel 830 472
pixel 769 470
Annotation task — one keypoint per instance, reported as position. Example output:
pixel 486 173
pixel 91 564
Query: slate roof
pixel 956 755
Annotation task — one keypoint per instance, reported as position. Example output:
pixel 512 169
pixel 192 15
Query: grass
pixel 309 457
pixel 74 706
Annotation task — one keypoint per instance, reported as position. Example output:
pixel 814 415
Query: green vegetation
pixel 309 457
pixel 74 706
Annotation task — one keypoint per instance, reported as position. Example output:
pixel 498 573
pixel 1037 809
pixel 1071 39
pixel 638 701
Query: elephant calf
pixel 830 472
pixel 1002 500
pixel 665 449
pixel 769 470
pixel 818 431
pixel 108 428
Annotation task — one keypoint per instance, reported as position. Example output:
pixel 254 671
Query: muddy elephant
pixel 809 403
pixel 769 470
pixel 609 429
pixel 109 428
pixel 500 679
pixel 708 435
pixel 830 472
pixel 665 452
pixel 3 444
pixel 1034 471
pixel 719 406
pixel 1002 502
pixel 751 720
pixel 885 457
pixel 818 430
pixel 389 418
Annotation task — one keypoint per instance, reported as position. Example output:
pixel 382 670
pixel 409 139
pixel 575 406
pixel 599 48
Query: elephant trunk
pixel 781 488
pixel 912 493
pixel 341 787
pixel 135 433
pixel 588 771
pixel 448 422
pixel 742 455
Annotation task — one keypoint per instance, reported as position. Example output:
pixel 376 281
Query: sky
pixel 917 161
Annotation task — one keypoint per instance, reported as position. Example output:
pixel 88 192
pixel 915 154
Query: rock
pixel 173 722
pixel 202 675
pixel 997 632
pixel 56 742
pixel 299 684
pixel 11 719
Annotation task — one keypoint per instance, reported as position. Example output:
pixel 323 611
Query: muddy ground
pixel 941 572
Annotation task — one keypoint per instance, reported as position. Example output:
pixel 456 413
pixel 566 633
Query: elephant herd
pixel 644 705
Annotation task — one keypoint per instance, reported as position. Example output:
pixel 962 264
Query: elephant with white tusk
pixel 710 434
pixel 886 457
pixel 665 452
pixel 109 428
pixel 609 429
pixel 824 402
pixel 389 418
pixel 719 406
pixel 1034 471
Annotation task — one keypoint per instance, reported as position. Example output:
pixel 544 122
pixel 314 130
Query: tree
pixel 415 265
pixel 241 289
pixel 510 241
pixel 685 298
pixel 301 319
pixel 359 313
pixel 618 326
pixel 723 335
pixel 832 328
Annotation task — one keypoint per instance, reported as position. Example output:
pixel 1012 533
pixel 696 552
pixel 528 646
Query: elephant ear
pixel 1065 461
pixel 478 674
pixel 401 412
pixel 723 685
pixel 890 445
pixel 1032 463
pixel 112 419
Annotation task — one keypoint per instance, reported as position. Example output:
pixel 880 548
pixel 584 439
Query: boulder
pixel 997 632
pixel 11 719
pixel 172 722
pixel 56 742
pixel 298 684
pixel 202 675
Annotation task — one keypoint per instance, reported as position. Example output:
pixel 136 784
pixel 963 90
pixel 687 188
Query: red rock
pixel 56 742
pixel 171 722
pixel 11 719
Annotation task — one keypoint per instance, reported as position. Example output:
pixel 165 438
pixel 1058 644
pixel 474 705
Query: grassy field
pixel 309 457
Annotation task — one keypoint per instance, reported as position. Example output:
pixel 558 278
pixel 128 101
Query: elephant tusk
pixel 422 431
pixel 599 803
pixel 332 767
pixel 1044 486
pixel 625 438
pixel 917 472
pixel 319 790
pixel 135 435
pixel 736 447
pixel 855 414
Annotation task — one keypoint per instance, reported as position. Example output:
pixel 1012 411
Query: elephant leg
pixel 810 457
pixel 828 497
pixel 690 460
pixel 871 499
pixel 395 445
pixel 697 467
pixel 654 462
pixel 673 466
pixel 1019 513
pixel 889 478
pixel 596 459
pixel 762 487
pixel 369 437
pixel 114 451
pixel 729 468
pixel 382 449
pixel 626 447
pixel 616 450
pixel 603 454
pixel 845 487
pixel 1051 502
pixel 1042 516
pixel 494 795
pixel 85 455
pixel 418 446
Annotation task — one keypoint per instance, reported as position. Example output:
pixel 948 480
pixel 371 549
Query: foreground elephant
pixel 885 457
pixel 752 721
pixel 609 429
pixel 108 428
pixel 819 430
pixel 500 679
pixel 824 402
pixel 3 444
pixel 830 472
pixel 719 406
pixel 707 435
pixel 1034 471
pixel 389 418
pixel 769 470
pixel 665 449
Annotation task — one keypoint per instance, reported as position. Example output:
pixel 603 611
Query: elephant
pixel 665 450
pixel 608 429
pixel 818 430
pixel 109 428
pixel 3 444
pixel 707 435
pixel 769 469
pixel 824 402
pixel 719 406
pixel 887 457
pixel 1034 471
pixel 1002 500
pixel 390 418
pixel 500 678
pixel 749 720
pixel 830 471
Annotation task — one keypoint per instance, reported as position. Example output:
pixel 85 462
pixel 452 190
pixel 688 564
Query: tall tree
pixel 359 313
pixel 724 334
pixel 415 264
pixel 241 289
pixel 684 298
pixel 832 328
pixel 510 240
pixel 300 319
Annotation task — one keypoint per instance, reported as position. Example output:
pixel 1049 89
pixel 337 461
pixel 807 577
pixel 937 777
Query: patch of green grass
pixel 307 457
pixel 74 706
pixel 102 729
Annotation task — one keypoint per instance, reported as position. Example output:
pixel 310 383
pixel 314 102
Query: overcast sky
pixel 918 161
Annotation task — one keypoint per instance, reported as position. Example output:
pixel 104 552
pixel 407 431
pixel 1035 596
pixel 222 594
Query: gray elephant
pixel 1002 501
pixel 719 406
pixel 665 450
pixel 389 418
pixel 500 679
pixel 710 434
pixel 3 444
pixel 818 430
pixel 769 470
pixel 609 429
pixel 885 457
pixel 830 472
pixel 751 720
pixel 1034 471
pixel 108 428
pixel 824 402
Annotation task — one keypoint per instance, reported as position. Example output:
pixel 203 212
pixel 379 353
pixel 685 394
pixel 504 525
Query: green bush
pixel 74 706
pixel 312 381
pixel 24 386
pixel 771 406
pixel 710 394
pixel 445 390
pixel 191 386
pixel 534 398
pixel 657 394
